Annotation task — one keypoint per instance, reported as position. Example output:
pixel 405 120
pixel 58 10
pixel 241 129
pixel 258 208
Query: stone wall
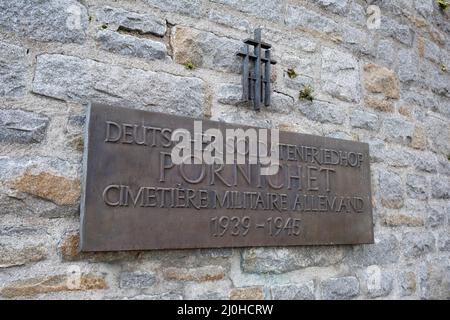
pixel 387 87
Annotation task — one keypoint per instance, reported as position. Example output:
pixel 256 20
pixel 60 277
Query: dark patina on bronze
pixel 135 198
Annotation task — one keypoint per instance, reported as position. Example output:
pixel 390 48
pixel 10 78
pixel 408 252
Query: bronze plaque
pixel 135 198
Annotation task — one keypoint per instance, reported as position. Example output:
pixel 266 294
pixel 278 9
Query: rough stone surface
pixel 402 219
pixel 426 162
pixel 435 217
pixel 131 21
pixel 396 30
pixel 210 290
pixel 391 189
pixel 303 291
pixel 13 70
pixel 250 293
pixel 229 20
pixel 188 7
pixel 323 112
pixel 18 126
pixel 162 296
pixel 205 49
pixel 386 52
pixel 398 130
pixel 61 190
pixel 419 138
pixel 270 9
pixel 131 46
pixel 335 6
pixel 438 131
pixel 379 104
pixel 139 280
pixel 440 189
pixel 230 94
pixel 74 79
pixel 207 273
pixel 416 244
pixel 417 187
pixel 407 283
pixel 384 251
pixel 282 103
pixel 281 260
pixel 364 120
pixel 54 20
pixel 408 69
pixel 381 80
pixel 53 283
pixel 300 17
pixel 378 282
pixel 340 75
pixel 11 256
pixel 339 288
pixel 434 281
pixel 384 87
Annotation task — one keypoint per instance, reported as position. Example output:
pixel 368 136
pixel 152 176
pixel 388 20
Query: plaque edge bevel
pixel 81 246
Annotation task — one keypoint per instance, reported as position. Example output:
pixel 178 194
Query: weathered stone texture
pixel 229 20
pixel 11 256
pixel 385 87
pixel 440 188
pixel 61 190
pixel 188 7
pixel 81 80
pixel 18 126
pixel 207 273
pixel 416 244
pixel 270 9
pixel 379 104
pixel 303 291
pixel 281 260
pixel 407 283
pixel 249 293
pixel 378 282
pixel 434 281
pixel 398 130
pixel 335 6
pixel 381 80
pixel 205 49
pixel 340 288
pixel 323 112
pixel 402 219
pixel 211 290
pixel 303 18
pixel 131 21
pixel 384 251
pixel 131 46
pixel 417 187
pixel 230 94
pixel 396 30
pixel 53 20
pixel 364 120
pixel 136 280
pixel 340 75
pixel 13 70
pixel 52 283
pixel 391 189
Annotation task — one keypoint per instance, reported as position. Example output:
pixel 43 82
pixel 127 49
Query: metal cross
pixel 256 75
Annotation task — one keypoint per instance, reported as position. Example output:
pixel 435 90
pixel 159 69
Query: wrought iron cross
pixel 256 75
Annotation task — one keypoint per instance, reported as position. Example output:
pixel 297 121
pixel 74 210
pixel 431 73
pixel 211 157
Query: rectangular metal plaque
pixel 135 198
